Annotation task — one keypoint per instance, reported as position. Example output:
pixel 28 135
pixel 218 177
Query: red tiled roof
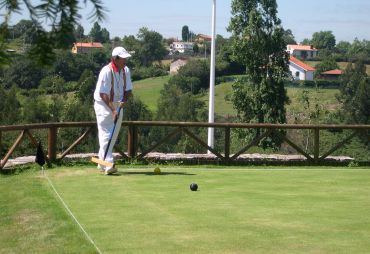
pixel 205 37
pixel 301 64
pixel 333 72
pixel 88 44
pixel 301 47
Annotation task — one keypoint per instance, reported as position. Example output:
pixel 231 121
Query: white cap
pixel 120 52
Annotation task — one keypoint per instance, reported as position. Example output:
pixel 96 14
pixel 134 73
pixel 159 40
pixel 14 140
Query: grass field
pixel 148 91
pixel 236 210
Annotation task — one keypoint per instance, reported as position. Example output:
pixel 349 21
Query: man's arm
pixel 105 98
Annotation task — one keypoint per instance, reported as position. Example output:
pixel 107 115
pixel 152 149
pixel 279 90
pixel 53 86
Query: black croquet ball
pixel 194 187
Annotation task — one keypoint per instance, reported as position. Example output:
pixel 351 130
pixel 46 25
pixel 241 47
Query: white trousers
pixel 105 127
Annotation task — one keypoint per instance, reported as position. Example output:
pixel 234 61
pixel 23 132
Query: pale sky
pixel 347 19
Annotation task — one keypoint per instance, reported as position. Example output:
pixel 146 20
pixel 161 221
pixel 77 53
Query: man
pixel 112 90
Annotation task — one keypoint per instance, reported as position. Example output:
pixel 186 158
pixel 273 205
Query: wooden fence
pixel 184 128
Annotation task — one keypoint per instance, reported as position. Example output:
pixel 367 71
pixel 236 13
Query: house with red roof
pixel 85 47
pixel 203 37
pixel 302 51
pixel 300 70
pixel 332 74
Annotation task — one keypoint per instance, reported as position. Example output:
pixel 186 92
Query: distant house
pixel 176 64
pixel 203 37
pixel 332 74
pixel 181 46
pixel 300 70
pixel 85 47
pixel 302 51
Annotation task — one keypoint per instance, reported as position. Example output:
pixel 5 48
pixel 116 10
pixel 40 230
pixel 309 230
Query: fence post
pixel 227 143
pixel 52 143
pixel 316 144
pixel 132 141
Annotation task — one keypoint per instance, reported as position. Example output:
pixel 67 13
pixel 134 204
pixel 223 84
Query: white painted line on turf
pixel 70 212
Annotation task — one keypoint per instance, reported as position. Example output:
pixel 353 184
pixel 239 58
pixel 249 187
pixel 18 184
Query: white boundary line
pixel 70 212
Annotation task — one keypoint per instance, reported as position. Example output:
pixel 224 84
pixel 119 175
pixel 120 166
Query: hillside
pixel 148 91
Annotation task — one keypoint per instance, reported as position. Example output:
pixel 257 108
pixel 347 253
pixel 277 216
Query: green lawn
pixel 236 210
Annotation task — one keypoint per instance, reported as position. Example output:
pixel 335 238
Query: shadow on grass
pixel 152 173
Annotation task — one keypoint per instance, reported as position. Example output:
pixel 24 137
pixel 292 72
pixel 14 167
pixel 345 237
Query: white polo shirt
pixel 104 84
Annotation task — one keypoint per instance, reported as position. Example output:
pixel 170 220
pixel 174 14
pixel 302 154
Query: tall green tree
pixel 185 33
pixel 99 34
pixel 59 15
pixel 355 94
pixel 289 37
pixel 152 47
pixel 259 45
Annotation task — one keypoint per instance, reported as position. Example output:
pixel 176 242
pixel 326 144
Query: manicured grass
pixel 236 210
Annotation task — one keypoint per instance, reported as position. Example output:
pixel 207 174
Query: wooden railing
pixel 183 127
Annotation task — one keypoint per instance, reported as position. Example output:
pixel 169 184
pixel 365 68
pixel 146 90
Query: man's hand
pixel 122 104
pixel 114 114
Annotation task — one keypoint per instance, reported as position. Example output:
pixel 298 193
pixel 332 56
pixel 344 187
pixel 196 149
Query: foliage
pixel 149 46
pixel 174 105
pixel 53 84
pixel 98 34
pixel 25 30
pixel 323 40
pixel 86 86
pixel 192 77
pixel 355 94
pixel 149 72
pixel 327 64
pixel 10 112
pixel 60 16
pixel 289 37
pixel 24 73
pixel 259 44
pixel 185 33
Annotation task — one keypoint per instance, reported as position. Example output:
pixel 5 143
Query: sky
pixel 347 19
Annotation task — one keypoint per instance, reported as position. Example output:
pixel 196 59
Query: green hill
pixel 148 91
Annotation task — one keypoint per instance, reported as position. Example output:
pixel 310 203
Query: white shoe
pixel 110 171
pixel 100 167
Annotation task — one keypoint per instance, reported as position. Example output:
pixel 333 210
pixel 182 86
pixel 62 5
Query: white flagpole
pixel 212 79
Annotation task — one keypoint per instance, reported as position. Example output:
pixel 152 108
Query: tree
pixel 97 34
pixel 192 77
pixel 355 94
pixel 185 33
pixel 151 46
pixel 327 64
pixel 86 85
pixel 24 29
pixel 61 16
pixel 323 40
pixel 289 37
pixel 259 45
pixel 10 112
pixel 79 32
pixel 24 73
pixel 343 47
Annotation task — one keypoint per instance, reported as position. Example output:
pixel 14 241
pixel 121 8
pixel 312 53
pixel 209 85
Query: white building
pixel 181 46
pixel 300 70
pixel 302 51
